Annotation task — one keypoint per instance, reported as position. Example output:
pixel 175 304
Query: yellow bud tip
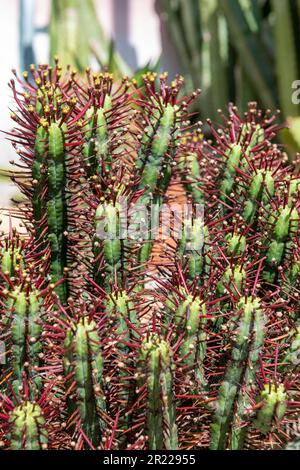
pixel 65 109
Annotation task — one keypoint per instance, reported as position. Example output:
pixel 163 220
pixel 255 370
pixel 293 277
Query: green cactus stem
pixel 191 176
pixel 27 427
pixel 23 318
pixel 260 192
pixel 161 122
pixel 83 357
pixel 226 429
pixel 121 306
pixel 11 255
pixel 108 244
pixel 284 226
pixel 122 315
pixel 273 407
pixel 294 187
pixel 233 159
pixel 153 162
pixel 193 248
pixel 57 208
pixel 252 135
pixel 190 318
pixel 237 157
pixel 96 150
pixel 232 281
pixel 233 278
pixel 39 177
pixel 155 169
pixel 292 356
pixel 236 244
pixel 156 368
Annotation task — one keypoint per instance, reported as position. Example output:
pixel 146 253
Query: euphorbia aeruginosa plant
pixel 106 346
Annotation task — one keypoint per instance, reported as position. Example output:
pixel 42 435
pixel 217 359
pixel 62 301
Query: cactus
pixel 22 319
pixel 162 114
pixel 104 124
pixel 26 335
pixel 190 318
pixel 249 340
pixel 189 165
pixel 293 350
pixel 273 407
pixel 83 357
pixel 190 246
pixel 284 225
pixel 120 305
pixel 155 368
pixel 47 107
pixel 111 245
pixel 12 254
pixel 196 348
pixel 56 205
pixel 27 427
pixel 154 160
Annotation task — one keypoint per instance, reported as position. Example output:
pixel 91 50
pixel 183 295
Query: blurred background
pixel 234 50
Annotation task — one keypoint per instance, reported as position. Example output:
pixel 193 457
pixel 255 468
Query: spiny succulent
pixel 115 337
